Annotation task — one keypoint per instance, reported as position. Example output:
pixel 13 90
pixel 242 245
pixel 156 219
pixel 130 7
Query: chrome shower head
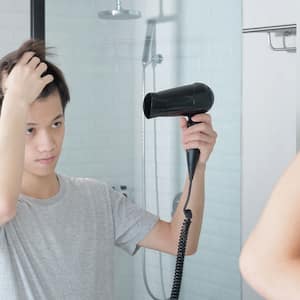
pixel 119 13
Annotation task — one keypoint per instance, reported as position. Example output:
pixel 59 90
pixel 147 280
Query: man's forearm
pixel 164 235
pixel 12 141
pixel 196 205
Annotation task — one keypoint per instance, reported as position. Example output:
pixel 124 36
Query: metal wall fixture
pixel 279 30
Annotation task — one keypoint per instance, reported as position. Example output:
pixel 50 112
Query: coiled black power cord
pixel 181 249
pixel 192 156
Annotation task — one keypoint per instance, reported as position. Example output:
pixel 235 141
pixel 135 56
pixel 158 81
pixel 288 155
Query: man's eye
pixel 29 130
pixel 57 124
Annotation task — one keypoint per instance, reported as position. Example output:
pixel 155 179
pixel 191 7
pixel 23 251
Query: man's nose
pixel 45 142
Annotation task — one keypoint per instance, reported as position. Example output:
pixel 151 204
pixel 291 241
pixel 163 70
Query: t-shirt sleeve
pixel 131 222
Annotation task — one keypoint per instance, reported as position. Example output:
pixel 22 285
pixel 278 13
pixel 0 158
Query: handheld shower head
pixel 150 43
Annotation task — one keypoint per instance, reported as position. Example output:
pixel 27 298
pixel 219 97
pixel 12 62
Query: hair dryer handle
pixel 192 155
pixel 190 122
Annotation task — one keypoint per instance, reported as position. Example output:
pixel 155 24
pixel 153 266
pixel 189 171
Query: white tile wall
pixel 268 77
pixel 211 53
pixel 297 78
pixel 14 24
pixel 263 90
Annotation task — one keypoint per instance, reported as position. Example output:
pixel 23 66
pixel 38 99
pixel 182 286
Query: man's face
pixel 44 136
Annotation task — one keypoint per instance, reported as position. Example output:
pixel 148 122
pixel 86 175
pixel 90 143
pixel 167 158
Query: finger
pixel 195 145
pixel 183 122
pixel 47 79
pixel 34 62
pixel 202 118
pixel 26 57
pixel 41 68
pixel 199 137
pixel 201 127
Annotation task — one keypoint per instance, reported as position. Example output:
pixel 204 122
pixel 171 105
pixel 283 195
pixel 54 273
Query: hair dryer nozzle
pixel 186 100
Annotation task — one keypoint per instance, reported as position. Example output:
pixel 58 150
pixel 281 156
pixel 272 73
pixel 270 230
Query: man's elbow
pixel 189 249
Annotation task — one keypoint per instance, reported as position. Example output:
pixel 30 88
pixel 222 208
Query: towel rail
pixel 283 30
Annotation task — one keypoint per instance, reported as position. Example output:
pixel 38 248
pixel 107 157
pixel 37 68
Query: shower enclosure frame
pixel 37 19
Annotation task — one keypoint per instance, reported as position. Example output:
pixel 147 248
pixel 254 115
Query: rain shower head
pixel 119 13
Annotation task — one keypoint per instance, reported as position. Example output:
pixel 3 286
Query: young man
pixel 57 232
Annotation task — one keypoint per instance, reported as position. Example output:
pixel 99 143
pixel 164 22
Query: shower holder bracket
pixel 157 59
pixel 284 34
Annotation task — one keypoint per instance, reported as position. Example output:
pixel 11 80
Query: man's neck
pixel 41 187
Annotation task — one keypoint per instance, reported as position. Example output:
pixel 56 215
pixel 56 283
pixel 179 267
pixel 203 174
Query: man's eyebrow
pixel 56 118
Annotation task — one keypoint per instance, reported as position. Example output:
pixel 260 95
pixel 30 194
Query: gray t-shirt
pixel 61 248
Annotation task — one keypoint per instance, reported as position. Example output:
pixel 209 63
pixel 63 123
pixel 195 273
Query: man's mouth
pixel 46 160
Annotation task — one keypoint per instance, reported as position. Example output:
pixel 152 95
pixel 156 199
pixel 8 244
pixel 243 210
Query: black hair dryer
pixel 186 100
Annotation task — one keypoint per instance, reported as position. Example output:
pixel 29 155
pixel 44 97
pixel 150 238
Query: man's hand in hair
pixel 24 82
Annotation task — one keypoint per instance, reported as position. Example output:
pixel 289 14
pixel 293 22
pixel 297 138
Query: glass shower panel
pixel 211 53
pixel 192 41
pixel 97 60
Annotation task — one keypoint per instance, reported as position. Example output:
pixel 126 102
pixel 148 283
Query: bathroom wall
pixel 298 76
pixel 14 24
pixel 268 13
pixel 268 110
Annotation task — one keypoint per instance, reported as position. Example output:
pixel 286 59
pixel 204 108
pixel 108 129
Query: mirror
pixel 102 59
pixel 109 65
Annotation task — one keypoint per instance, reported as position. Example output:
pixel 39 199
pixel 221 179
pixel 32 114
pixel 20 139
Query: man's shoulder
pixel 81 182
